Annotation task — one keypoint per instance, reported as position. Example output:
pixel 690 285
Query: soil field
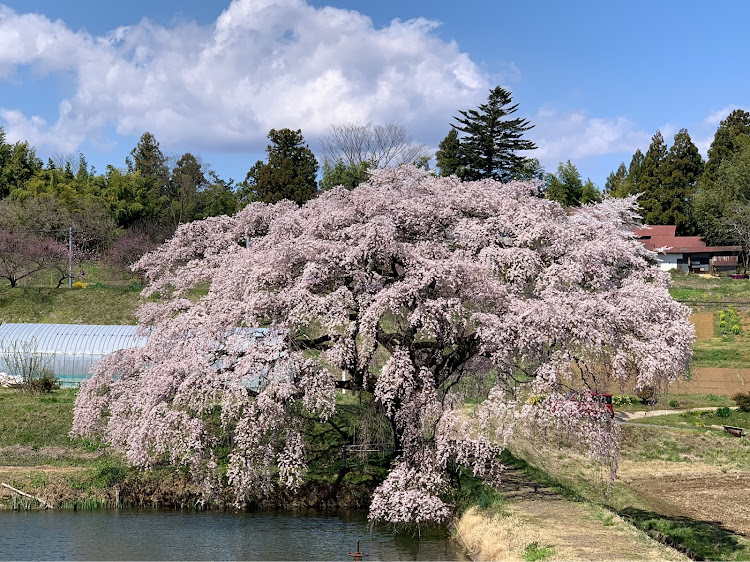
pixel 714 380
pixel 704 325
pixel 718 497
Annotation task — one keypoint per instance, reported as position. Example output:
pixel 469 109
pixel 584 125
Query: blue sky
pixel 596 78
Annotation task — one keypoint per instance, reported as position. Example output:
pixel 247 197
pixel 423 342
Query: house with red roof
pixel 688 253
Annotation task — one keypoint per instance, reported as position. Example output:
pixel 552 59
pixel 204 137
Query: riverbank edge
pixel 49 487
pixel 145 491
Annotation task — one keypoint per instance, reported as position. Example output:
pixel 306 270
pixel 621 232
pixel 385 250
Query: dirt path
pixel 48 469
pixel 576 531
pixel 639 415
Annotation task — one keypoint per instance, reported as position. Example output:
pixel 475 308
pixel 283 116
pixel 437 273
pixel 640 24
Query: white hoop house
pixel 69 350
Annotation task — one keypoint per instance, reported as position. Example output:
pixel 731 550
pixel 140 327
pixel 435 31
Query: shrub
pixel 618 400
pixel 44 383
pixel 79 285
pixel 674 403
pixel 24 362
pixel 647 395
pixel 723 412
pixel 729 321
pixel 742 400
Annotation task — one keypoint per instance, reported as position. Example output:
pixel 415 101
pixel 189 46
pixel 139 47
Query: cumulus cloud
pixel 262 64
pixel 576 135
pixel 704 131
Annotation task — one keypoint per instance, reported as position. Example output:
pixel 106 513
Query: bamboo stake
pixel 16 490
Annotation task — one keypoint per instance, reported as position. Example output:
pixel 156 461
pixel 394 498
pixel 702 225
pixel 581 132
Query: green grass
pixel 701 419
pixel 473 492
pixel 725 348
pixel 676 401
pixel 534 551
pixel 109 298
pixel 36 420
pixel 706 540
pixel 92 305
pixel 702 444
pixel 697 289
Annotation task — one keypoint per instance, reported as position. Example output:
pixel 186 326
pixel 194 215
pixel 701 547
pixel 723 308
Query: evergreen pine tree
pixel 616 184
pixel 726 143
pixel 150 161
pixel 491 140
pixel 449 155
pixel 650 184
pixel 152 178
pixel 635 173
pixel 288 174
pixel 730 191
pixel 682 168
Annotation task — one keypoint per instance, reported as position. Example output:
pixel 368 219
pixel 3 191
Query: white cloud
pixel 715 117
pixel 263 64
pixel 575 135
pixel 705 130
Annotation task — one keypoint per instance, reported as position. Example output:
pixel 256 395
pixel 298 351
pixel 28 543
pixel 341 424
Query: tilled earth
pixel 720 497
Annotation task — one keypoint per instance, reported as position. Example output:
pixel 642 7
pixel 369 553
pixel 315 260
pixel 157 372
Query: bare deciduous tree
pixel 380 146
pixel 737 224
pixel 23 253
pixel 24 362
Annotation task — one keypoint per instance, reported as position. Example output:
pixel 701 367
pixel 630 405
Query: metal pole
pixel 70 257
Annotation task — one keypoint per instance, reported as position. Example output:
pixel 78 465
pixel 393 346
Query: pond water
pixel 207 535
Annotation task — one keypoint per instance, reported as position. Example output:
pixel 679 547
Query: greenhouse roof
pixel 70 350
pixel 84 339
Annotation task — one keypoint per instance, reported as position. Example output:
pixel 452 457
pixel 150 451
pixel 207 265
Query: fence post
pixel 70 257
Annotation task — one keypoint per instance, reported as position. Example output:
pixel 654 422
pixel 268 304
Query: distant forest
pixel 117 215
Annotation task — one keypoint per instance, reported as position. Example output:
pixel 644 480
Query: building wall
pixel 669 261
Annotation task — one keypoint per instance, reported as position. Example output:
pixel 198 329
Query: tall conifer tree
pixel 635 173
pixel 491 140
pixel 289 172
pixel 681 171
pixel 449 155
pixel 726 143
pixel 616 184
pixel 650 184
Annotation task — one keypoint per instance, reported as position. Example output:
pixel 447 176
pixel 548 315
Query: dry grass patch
pixel 494 537
pixel 572 531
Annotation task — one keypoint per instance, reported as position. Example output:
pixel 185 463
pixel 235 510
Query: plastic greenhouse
pixel 69 350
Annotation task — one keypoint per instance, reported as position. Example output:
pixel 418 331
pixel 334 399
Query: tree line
pixel 708 198
pixel 121 213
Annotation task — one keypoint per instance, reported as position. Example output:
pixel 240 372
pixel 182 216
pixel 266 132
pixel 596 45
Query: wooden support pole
pixel 17 491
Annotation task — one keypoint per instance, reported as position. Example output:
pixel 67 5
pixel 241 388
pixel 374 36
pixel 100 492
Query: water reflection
pixel 173 535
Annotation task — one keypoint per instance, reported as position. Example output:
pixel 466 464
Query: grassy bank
pixel 682 487
pixel 93 305
pixel 39 457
